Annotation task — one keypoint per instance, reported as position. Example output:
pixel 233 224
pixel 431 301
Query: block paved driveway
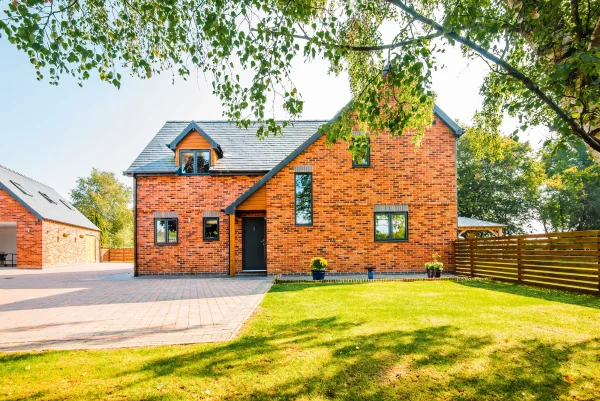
pixel 104 306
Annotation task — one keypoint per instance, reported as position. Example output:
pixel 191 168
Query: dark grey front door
pixel 254 243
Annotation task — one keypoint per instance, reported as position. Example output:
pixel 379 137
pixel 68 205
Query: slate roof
pixel 470 222
pixel 37 204
pixel 242 150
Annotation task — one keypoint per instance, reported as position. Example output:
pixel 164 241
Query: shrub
pixel 318 264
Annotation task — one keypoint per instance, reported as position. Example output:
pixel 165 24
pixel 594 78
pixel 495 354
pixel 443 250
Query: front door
pixel 254 243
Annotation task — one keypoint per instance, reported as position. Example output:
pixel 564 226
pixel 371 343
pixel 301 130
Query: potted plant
pixel 434 269
pixel 317 267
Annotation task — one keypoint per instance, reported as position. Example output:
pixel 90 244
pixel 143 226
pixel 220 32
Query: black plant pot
pixel 430 273
pixel 318 274
pixel 438 273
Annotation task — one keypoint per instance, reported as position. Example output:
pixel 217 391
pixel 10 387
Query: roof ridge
pixel 24 176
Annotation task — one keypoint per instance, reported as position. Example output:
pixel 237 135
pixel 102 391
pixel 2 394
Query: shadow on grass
pixel 420 364
pixel 567 297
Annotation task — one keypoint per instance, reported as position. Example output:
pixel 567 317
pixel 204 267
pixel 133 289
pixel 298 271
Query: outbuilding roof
pixel 471 222
pixel 41 200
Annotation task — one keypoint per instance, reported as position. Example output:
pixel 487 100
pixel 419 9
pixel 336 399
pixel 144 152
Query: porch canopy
pixel 469 227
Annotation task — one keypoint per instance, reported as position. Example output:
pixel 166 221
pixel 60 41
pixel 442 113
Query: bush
pixel 318 264
pixel 435 265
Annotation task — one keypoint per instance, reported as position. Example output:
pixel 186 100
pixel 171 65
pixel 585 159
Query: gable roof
pixel 243 152
pixel 36 202
pixel 194 127
pixel 456 130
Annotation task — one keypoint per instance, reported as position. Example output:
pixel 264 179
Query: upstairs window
pixel 20 188
pixel 165 232
pixel 361 148
pixel 391 226
pixel 303 199
pixel 194 161
pixel 49 199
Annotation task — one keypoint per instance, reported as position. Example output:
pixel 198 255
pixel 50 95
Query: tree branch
pixel 512 71
pixel 390 46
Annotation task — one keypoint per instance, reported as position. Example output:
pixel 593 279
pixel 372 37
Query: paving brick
pixel 104 306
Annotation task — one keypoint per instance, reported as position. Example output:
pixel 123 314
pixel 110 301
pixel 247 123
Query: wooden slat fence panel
pixel 568 261
pixel 117 255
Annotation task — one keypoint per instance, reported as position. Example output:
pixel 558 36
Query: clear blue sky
pixel 56 134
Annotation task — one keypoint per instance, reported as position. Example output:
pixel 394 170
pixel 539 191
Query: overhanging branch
pixel 512 71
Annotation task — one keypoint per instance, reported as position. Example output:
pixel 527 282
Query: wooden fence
pixel 117 255
pixel 568 261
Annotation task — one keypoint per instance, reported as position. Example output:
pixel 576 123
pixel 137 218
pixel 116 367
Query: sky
pixel 56 134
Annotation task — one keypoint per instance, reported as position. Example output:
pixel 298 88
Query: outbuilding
pixel 40 228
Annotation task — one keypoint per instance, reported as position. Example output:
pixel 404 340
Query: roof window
pixel 49 199
pixel 66 204
pixel 20 188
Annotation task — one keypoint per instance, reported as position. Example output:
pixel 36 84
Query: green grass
pixel 417 341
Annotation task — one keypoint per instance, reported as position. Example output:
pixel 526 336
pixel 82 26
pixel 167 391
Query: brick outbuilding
pixel 40 228
pixel 212 198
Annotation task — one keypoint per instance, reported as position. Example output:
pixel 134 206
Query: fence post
pixel 471 256
pixel 598 257
pixel 520 246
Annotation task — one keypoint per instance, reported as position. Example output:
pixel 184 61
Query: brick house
pixel 212 198
pixel 40 228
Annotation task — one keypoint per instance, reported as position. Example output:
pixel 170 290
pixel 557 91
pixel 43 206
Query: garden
pixel 424 340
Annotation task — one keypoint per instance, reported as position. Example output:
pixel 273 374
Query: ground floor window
pixel 391 226
pixel 211 228
pixel 165 231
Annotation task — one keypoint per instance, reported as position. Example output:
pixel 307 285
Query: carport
pixel 8 244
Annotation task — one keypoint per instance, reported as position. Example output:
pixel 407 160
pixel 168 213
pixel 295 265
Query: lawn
pixel 390 340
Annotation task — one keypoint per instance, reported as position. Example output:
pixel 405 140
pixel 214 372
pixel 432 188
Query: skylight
pixel 46 197
pixel 66 204
pixel 20 188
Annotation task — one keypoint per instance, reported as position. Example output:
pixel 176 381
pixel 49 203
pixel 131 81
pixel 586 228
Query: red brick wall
pixel 29 231
pixel 189 196
pixel 59 249
pixel 344 199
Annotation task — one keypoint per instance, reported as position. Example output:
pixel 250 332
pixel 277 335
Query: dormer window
pixel 195 161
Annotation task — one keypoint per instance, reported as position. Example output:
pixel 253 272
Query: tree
pixel 572 190
pixel 544 55
pixel 499 180
pixel 107 203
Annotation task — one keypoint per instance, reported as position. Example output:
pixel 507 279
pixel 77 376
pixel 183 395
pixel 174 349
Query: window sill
pixel 391 240
pixel 210 239
pixel 361 166
pixel 166 244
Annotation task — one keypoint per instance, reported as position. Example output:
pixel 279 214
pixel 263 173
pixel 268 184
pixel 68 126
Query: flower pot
pixel 430 273
pixel 318 274
pixel 438 273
